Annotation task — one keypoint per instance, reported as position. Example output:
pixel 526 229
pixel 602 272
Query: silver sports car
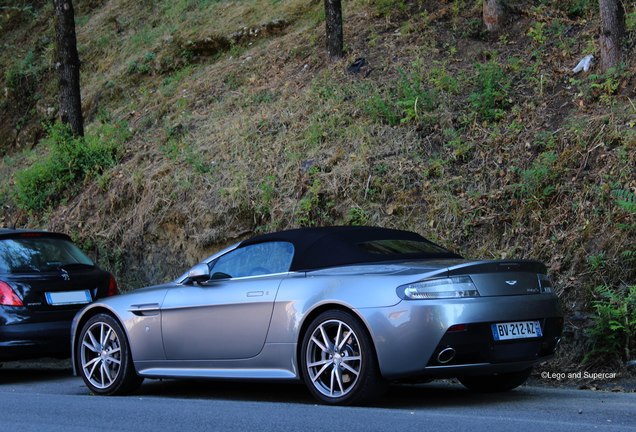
pixel 344 309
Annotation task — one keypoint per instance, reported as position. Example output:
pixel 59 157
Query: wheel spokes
pixel 319 344
pixel 325 338
pixel 112 360
pixel 90 346
pixel 324 368
pixel 350 369
pixel 338 374
pixel 100 355
pixel 344 340
pixel 97 363
pixel 337 339
pixel 319 363
pixel 93 340
pixel 333 348
pixel 105 340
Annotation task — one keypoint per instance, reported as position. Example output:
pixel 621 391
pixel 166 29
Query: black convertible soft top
pixel 316 248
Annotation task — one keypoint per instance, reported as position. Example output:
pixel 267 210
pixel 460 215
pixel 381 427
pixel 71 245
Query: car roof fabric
pixel 316 248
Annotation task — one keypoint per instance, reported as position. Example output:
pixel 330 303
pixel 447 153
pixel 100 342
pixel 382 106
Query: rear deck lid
pixel 500 278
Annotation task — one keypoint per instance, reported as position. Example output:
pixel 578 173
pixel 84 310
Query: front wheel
pixel 495 383
pixel 104 357
pixel 338 362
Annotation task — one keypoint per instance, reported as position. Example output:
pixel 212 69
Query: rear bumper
pixel 32 340
pixel 409 336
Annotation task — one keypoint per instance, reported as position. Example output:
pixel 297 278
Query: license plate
pixel 68 297
pixel 516 330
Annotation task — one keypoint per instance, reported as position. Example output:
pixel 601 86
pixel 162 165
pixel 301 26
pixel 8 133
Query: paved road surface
pixel 40 399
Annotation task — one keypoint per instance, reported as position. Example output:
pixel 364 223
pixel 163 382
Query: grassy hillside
pixel 211 120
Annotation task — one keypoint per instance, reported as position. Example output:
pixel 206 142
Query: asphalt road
pixel 50 399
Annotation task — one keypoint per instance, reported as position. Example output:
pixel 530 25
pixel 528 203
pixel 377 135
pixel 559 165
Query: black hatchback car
pixel 44 280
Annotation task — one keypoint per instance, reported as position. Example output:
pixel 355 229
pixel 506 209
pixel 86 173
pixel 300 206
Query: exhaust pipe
pixel 446 355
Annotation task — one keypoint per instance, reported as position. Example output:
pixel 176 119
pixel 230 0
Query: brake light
pixel 112 287
pixel 30 234
pixel 8 297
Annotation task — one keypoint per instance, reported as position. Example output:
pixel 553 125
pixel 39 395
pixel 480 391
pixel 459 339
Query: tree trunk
pixel 68 66
pixel 494 15
pixel 333 22
pixel 612 32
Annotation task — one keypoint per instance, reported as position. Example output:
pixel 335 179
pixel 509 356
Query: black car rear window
pixel 400 246
pixel 39 254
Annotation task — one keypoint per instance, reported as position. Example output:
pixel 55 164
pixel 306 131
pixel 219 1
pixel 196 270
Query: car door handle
pixel 255 293
pixel 146 309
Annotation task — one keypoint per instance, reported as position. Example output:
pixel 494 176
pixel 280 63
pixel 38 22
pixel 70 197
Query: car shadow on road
pixel 34 371
pixel 56 376
pixel 442 394
pixel 447 394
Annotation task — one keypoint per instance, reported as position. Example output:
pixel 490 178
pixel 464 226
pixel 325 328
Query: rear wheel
pixel 338 362
pixel 495 383
pixel 104 357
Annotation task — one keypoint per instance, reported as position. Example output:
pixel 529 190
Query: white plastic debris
pixel 584 64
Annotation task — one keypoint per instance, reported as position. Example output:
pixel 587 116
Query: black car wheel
pixel 338 362
pixel 104 357
pixel 495 383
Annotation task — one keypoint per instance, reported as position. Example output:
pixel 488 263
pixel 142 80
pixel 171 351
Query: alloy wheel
pixel 101 355
pixel 334 358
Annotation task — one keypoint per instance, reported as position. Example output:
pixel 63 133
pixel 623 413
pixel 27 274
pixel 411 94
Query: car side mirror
pixel 199 273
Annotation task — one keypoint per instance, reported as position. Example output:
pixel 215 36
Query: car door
pixel 228 316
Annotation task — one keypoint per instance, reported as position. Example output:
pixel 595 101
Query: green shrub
pixel 577 8
pixel 22 76
pixel 630 21
pixel 381 109
pixel 356 216
pixel 415 101
pixel 627 201
pixel 70 162
pixel 538 33
pixel 539 180
pixel 491 97
pixel 614 329
pixel 387 8
pixel 22 80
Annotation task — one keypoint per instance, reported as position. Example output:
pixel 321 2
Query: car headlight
pixel 453 287
pixel 545 284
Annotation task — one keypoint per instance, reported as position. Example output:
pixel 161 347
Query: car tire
pixel 103 357
pixel 495 383
pixel 338 361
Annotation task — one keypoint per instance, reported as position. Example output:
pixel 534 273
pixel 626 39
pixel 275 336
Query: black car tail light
pixel 112 287
pixel 457 328
pixel 8 297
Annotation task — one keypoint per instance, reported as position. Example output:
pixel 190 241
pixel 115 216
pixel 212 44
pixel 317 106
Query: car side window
pixel 254 260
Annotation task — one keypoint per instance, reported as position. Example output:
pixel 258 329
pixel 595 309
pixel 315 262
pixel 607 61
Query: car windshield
pixel 39 254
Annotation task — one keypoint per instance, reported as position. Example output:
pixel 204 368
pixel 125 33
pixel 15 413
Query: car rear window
pixel 401 247
pixel 39 254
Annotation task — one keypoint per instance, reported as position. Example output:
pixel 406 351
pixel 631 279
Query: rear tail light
pixel 457 328
pixel 439 288
pixel 8 297
pixel 112 287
